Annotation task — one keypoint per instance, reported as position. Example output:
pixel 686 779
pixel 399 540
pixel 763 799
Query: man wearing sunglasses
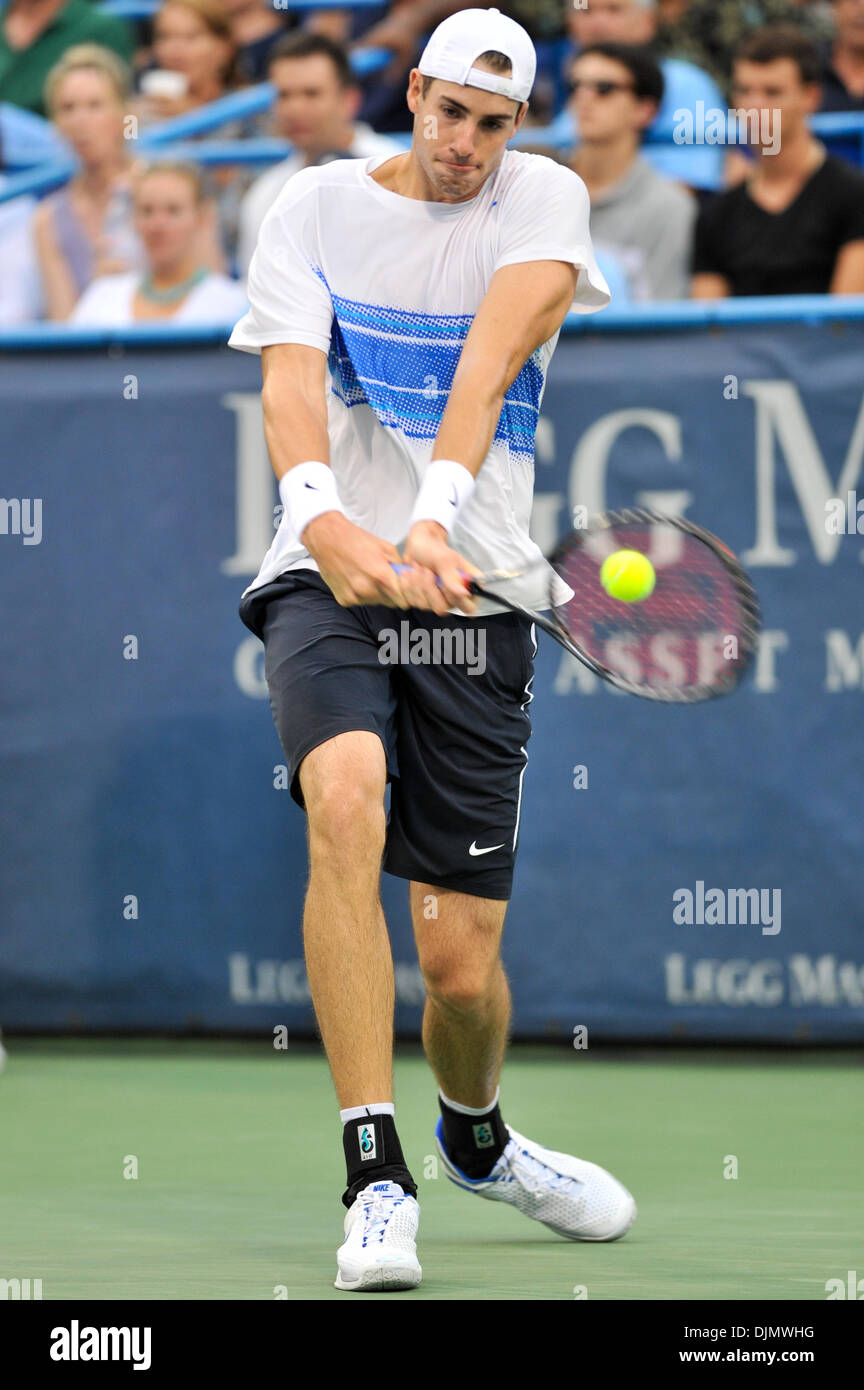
pixel 795 225
pixel 637 24
pixel 639 218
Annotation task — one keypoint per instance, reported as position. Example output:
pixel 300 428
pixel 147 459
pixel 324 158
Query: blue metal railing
pixel 835 127
pixel 236 106
pixel 645 318
pixel 841 129
pixel 225 151
pixel 660 316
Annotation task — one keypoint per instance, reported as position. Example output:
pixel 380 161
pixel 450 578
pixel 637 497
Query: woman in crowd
pixel 177 284
pixel 85 229
pixel 195 62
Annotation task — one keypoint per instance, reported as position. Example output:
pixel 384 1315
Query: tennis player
pixel 430 288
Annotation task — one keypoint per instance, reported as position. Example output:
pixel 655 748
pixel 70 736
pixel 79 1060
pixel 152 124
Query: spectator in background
pixel 642 219
pixel 708 32
pixel 843 76
pixel 85 229
pixel 796 226
pixel 193 43
pixel 317 99
pixel 176 285
pixel 672 11
pixel 633 22
pixel 20 293
pixel 637 23
pixel 255 28
pixel 194 50
pixel 34 35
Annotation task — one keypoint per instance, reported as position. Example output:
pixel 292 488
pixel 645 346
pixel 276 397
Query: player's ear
pixel 414 95
pixel 520 116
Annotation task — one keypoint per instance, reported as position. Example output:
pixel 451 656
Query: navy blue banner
pixel 682 872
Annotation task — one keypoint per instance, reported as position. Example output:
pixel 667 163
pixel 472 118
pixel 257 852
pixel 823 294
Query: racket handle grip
pixel 401 569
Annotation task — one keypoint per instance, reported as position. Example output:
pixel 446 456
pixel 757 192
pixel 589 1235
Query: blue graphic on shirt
pixel 401 364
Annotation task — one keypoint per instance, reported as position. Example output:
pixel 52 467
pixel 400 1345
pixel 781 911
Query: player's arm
pixel 354 563
pixel 848 277
pixel 524 306
pixel 709 286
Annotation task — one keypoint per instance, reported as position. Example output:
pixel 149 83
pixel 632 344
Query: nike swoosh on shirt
pixel 475 851
pixel 454 500
pixel 312 485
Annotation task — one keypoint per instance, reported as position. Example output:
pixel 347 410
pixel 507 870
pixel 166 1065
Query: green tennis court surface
pixel 240 1171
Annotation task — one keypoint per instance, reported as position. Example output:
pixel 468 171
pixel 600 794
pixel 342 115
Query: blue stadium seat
pixel 27 139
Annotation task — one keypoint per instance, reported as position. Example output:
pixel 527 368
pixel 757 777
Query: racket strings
pixel 695 629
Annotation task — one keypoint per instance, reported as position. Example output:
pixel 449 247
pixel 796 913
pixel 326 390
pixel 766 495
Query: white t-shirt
pixel 388 287
pixel 108 302
pixel 20 280
pixel 263 193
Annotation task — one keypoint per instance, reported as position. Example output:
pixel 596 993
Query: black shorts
pixel 453 720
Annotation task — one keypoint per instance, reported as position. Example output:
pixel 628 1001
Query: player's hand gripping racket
pixel 691 639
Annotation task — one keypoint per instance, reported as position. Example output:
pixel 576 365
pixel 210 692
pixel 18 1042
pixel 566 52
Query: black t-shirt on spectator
pixel 789 252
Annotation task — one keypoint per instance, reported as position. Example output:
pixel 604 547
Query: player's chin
pixel 455 183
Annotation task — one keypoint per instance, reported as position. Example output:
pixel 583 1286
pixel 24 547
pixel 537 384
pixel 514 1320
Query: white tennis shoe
pixel 380 1252
pixel 572 1197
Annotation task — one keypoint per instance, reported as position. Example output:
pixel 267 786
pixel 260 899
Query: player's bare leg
pixel 467 1011
pixel 350 970
pixel 348 957
pixel 465 1027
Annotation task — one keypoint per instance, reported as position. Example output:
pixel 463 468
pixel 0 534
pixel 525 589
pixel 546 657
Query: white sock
pixel 357 1112
pixel 466 1109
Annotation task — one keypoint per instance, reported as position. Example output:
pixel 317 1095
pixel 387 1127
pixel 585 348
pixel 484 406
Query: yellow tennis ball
pixel 628 575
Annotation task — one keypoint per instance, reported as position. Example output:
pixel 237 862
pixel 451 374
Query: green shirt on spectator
pixel 23 70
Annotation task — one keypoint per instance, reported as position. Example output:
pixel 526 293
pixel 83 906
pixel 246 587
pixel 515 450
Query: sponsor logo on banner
pixel 798 980
pixel 285 982
pixel 786 455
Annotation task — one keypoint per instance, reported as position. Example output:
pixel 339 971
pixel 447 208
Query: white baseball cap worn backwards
pixel 458 42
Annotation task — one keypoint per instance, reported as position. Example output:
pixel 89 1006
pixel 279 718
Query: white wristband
pixel 445 489
pixel 307 490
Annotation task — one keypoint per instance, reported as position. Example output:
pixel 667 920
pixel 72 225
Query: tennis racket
pixel 692 639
